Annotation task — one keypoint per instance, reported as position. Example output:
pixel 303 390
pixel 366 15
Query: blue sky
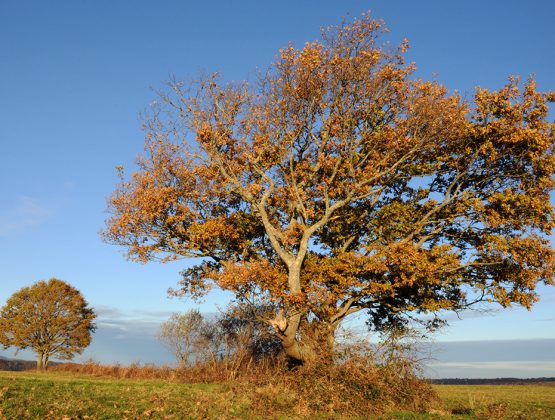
pixel 75 75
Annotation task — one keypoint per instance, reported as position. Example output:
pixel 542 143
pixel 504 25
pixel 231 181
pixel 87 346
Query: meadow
pixel 60 395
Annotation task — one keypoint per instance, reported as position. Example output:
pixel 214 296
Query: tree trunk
pixel 42 361
pixel 292 346
pixel 318 341
pixel 45 358
pixel 309 350
pixel 40 364
pixel 314 344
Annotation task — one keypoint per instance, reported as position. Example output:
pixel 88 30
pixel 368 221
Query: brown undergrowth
pixel 352 388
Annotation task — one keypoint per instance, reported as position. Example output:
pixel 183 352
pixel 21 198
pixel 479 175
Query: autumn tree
pixel 51 317
pixel 236 333
pixel 338 183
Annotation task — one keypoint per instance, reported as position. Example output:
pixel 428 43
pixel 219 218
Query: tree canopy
pixel 338 182
pixel 50 317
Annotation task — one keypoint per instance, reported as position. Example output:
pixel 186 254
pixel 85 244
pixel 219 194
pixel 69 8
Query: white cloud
pixel 114 325
pixel 114 314
pixel 105 311
pixel 134 323
pixel 27 212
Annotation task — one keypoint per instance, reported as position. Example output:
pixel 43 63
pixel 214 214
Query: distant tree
pixel 237 333
pixel 340 183
pixel 184 335
pixel 51 317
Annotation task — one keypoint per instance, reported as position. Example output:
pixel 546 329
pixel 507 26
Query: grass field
pixel 55 396
pixel 500 401
pixel 66 396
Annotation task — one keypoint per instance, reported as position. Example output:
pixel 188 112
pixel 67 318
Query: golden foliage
pixel 51 317
pixel 338 183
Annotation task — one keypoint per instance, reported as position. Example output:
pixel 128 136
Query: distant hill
pixel 16 364
pixel 493 381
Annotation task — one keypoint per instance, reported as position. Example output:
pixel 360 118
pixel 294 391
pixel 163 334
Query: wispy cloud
pixel 112 313
pixel 154 314
pixel 127 336
pixel 127 342
pixel 27 212
pixel 104 311
pixel 527 365
pixel 132 323
pixel 120 326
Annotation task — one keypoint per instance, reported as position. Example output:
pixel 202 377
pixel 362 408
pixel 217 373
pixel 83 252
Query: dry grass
pixel 221 372
pixel 530 401
pixel 72 395
pixel 355 388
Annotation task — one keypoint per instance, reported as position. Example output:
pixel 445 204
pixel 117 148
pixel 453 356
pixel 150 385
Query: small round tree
pixel 51 317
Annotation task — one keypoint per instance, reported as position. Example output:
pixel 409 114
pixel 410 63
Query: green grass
pixel 65 396
pixel 58 396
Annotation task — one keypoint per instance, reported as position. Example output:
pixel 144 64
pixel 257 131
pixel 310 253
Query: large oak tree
pixel 50 317
pixel 338 182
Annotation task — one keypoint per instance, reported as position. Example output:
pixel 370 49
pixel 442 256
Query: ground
pixel 67 396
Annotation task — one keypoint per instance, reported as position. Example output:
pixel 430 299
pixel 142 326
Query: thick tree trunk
pixel 42 361
pixel 300 351
pixel 316 344
pixel 313 344
pixel 40 365
pixel 309 350
pixel 295 349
